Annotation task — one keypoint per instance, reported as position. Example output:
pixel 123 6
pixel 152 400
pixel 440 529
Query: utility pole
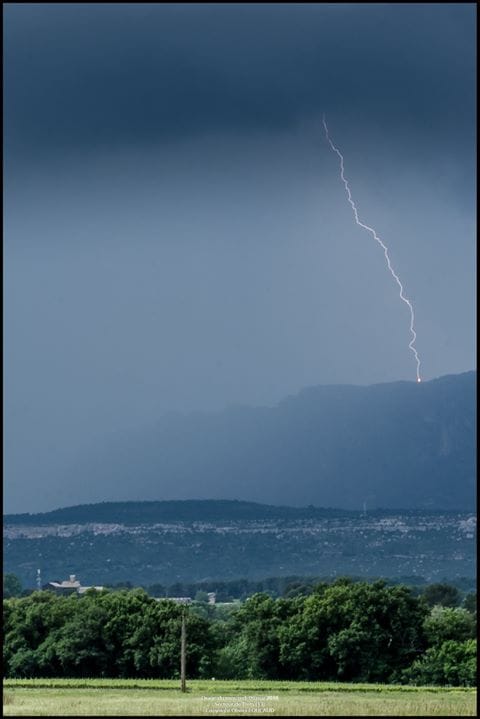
pixel 183 644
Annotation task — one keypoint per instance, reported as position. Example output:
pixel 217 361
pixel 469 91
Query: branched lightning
pixel 383 246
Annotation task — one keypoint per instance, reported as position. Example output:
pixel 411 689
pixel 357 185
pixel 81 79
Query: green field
pixel 136 697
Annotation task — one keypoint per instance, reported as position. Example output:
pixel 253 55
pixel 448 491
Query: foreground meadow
pixel 94 697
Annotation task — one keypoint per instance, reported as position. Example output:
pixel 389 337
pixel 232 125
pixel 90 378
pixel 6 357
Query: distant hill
pixel 170 542
pixel 133 513
pixel 393 445
pixel 190 510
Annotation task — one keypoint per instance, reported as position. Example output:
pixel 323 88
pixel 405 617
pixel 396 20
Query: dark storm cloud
pixel 90 76
pixel 177 234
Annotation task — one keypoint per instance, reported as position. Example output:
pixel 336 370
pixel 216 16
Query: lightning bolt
pixel 411 345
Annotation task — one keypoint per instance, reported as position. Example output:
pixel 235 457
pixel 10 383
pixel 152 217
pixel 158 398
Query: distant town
pixel 72 586
pixel 432 546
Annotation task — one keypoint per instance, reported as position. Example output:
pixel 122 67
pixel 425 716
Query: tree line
pixel 452 593
pixel 341 631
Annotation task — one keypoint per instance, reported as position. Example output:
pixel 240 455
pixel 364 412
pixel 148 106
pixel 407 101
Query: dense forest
pixel 343 630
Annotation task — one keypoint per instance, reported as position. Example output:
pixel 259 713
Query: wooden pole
pixel 182 653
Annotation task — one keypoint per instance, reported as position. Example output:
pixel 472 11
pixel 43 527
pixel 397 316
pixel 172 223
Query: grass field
pixel 96 697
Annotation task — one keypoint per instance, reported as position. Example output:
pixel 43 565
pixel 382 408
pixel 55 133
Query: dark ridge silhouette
pixel 190 510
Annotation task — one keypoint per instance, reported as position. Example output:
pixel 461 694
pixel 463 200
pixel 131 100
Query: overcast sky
pixel 177 236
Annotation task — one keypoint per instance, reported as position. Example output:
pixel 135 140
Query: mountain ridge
pixel 397 445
